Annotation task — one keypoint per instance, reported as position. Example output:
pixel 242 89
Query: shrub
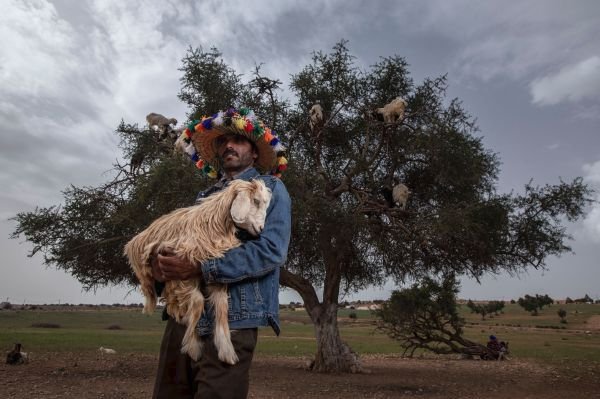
pixel 45 325
pixel 353 315
pixel 5 305
pixel 114 327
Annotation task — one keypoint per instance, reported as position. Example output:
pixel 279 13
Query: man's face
pixel 235 152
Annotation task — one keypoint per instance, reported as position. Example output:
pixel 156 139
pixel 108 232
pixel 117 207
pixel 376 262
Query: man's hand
pixel 157 273
pixel 172 267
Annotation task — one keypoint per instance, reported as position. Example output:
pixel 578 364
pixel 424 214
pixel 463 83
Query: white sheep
pixel 400 194
pixel 198 233
pixel 394 111
pixel 160 123
pixel 107 351
pixel 316 115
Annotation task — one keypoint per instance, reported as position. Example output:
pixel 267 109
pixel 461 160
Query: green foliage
pixel 85 236
pixel 562 313
pixel 487 308
pixel 425 316
pixel 534 303
pixel 585 299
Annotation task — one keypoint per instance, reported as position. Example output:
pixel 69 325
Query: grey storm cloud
pixel 519 67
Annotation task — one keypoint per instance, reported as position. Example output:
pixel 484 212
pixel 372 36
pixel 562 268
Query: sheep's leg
pixel 190 343
pixel 222 335
pixel 150 297
pixel 138 256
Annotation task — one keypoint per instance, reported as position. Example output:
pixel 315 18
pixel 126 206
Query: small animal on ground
pixel 17 356
pixel 107 351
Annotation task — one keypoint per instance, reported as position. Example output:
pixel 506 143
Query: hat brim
pixel 205 145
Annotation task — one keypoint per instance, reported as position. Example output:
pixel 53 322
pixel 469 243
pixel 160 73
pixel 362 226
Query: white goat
pixel 394 111
pixel 107 351
pixel 400 195
pixel 198 233
pixel 316 115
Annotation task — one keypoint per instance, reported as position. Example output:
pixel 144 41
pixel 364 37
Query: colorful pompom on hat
pixel 200 136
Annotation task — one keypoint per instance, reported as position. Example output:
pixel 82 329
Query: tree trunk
pixel 333 354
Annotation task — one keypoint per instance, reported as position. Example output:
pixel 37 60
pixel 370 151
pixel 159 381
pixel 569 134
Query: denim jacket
pixel 251 270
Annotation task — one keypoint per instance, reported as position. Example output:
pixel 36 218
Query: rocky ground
pixel 73 375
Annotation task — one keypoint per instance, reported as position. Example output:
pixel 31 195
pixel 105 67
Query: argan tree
pixel 347 234
pixel 563 315
pixel 425 316
pixel 486 308
pixel 535 303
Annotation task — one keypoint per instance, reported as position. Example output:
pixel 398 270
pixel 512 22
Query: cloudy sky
pixel 529 71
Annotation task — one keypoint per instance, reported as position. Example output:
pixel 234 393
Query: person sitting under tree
pixel 496 350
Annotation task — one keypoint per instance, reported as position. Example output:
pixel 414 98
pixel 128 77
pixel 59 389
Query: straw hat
pixel 201 136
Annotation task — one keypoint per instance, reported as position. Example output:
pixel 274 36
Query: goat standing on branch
pixel 160 123
pixel 400 195
pixel 394 111
pixel 316 116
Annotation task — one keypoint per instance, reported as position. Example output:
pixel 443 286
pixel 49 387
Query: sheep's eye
pixel 256 202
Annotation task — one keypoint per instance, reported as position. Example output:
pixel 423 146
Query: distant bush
pixel 5 305
pixel 353 315
pixel 551 327
pixel 114 327
pixel 45 325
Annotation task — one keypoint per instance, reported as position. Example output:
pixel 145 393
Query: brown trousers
pixel 179 376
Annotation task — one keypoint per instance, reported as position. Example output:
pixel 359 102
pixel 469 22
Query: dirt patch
pixel 593 323
pixel 131 376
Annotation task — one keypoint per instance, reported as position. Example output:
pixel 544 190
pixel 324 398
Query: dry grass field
pixel 548 361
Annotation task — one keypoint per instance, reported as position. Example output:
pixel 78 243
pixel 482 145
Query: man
pixel 237 143
pixel 494 347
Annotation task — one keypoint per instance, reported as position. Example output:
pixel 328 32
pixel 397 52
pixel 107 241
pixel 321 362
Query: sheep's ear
pixel 240 206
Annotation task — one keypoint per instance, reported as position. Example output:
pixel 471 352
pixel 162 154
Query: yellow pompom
pixel 282 161
pixel 212 174
pixel 239 123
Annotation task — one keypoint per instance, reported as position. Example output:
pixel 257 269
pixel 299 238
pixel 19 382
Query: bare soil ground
pixel 73 375
pixel 593 323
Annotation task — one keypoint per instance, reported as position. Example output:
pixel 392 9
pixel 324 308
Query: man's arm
pixel 255 258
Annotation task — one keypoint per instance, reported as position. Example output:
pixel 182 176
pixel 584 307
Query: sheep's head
pixel 249 208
